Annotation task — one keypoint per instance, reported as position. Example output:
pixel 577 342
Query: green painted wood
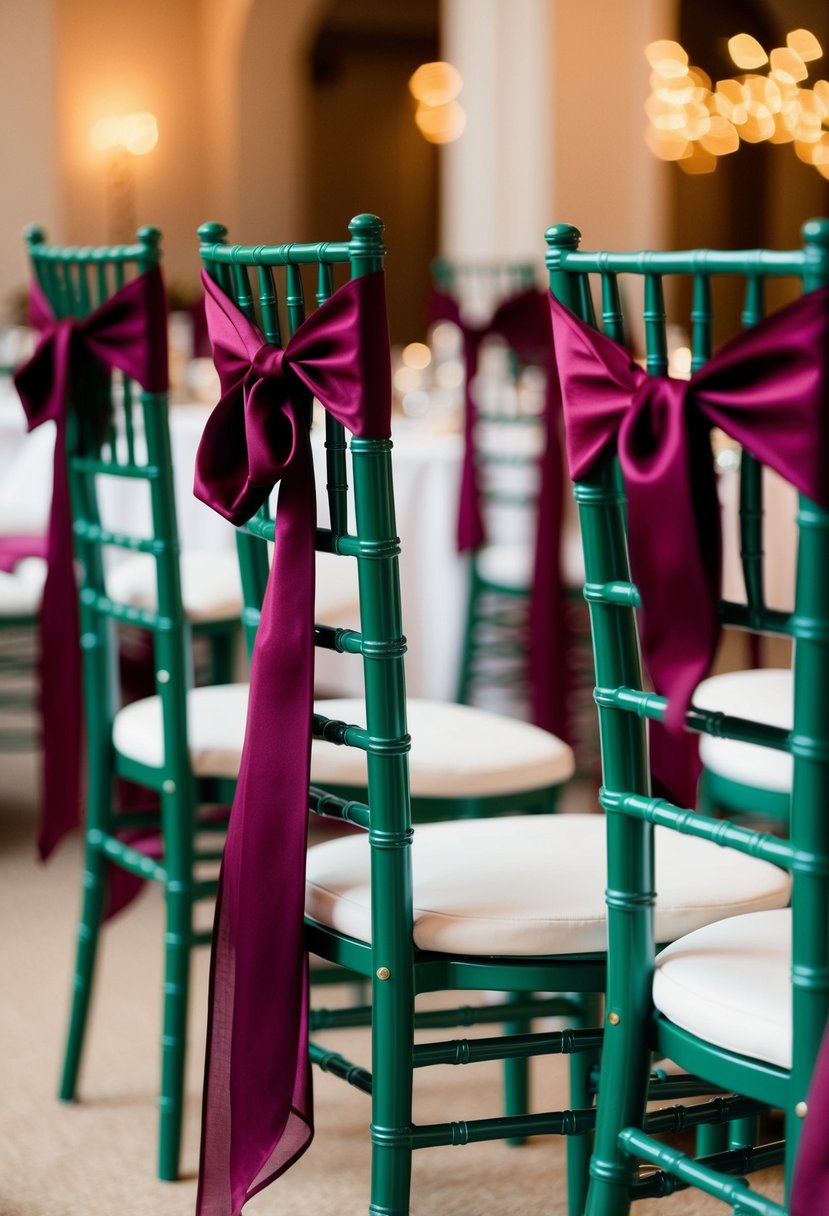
pixel 76 280
pixel 633 1033
pixel 268 282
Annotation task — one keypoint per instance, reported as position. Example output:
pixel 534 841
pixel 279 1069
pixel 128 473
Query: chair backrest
pixel 478 285
pixel 624 705
pixel 266 283
pixel 118 446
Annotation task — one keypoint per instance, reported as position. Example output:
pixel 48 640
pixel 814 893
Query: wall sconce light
pixel 122 138
pixel 439 117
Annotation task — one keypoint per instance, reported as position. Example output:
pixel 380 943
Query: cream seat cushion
pixel 506 565
pixel 456 750
pixel 210 585
pixel 511 565
pixel 21 589
pixel 532 884
pixel 762 695
pixel 729 983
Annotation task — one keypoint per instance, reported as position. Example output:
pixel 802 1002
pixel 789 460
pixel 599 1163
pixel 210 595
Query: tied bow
pixel 522 320
pixel 128 332
pixel 257 1117
pixel 767 388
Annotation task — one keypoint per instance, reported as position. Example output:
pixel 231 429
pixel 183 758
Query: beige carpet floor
pixel 97 1157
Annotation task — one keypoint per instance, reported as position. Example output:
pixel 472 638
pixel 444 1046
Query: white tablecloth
pixel 426 480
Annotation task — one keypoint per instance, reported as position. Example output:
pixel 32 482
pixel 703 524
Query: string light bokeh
pixel 694 121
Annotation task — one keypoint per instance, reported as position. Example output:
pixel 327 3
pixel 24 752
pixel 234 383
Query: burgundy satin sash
pixel 127 332
pixel 522 321
pixel 768 389
pixel 257 1116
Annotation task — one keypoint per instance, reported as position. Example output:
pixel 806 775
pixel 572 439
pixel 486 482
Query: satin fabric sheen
pixel 768 389
pixel 127 332
pixel 522 321
pixel 257 1114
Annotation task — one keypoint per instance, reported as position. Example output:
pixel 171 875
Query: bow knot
pixel 268 363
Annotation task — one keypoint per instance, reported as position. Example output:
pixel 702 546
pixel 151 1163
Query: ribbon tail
pixel 471 531
pixel 257 1117
pixel 61 673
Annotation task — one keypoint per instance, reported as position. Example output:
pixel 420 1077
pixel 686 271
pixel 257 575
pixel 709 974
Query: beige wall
pixel 27 132
pixel 607 182
pixel 115 58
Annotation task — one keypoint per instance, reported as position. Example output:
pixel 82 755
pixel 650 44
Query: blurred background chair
pixel 743 1002
pixel 114 432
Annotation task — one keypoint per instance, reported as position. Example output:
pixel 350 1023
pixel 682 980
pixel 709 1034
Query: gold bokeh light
pixel 435 84
pixel 694 122
pixel 134 133
pixel 435 87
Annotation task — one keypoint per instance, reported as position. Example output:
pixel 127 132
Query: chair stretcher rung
pixel 339 1066
pixel 703 1178
pixel 502 1127
pixel 775 849
pixel 85 464
pixel 329 806
pixel 344 641
pixel 717 1110
pixel 462 1015
pixel 127 857
pixel 342 733
pixel 95 534
pixel 739 1161
pixel 709 722
pixel 506 1047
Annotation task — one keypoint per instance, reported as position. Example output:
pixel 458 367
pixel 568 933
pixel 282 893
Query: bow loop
pixel 768 388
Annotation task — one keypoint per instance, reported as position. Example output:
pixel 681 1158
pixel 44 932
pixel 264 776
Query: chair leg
pixel 174 1035
pixel 465 677
pixel 516 1072
pixel 222 647
pixel 579 1148
pixel 391 1099
pixel 94 895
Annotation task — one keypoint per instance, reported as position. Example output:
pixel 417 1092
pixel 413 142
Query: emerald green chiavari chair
pixel 508 439
pixel 117 441
pixel 511 905
pixel 465 762
pixel 741 1003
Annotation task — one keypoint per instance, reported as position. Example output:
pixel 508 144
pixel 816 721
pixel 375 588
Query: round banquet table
pixel 427 466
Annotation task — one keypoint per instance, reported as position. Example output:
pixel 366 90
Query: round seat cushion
pixel 761 695
pixel 532 885
pixel 210 585
pixel 729 983
pixel 509 566
pixel 211 588
pixel 458 751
